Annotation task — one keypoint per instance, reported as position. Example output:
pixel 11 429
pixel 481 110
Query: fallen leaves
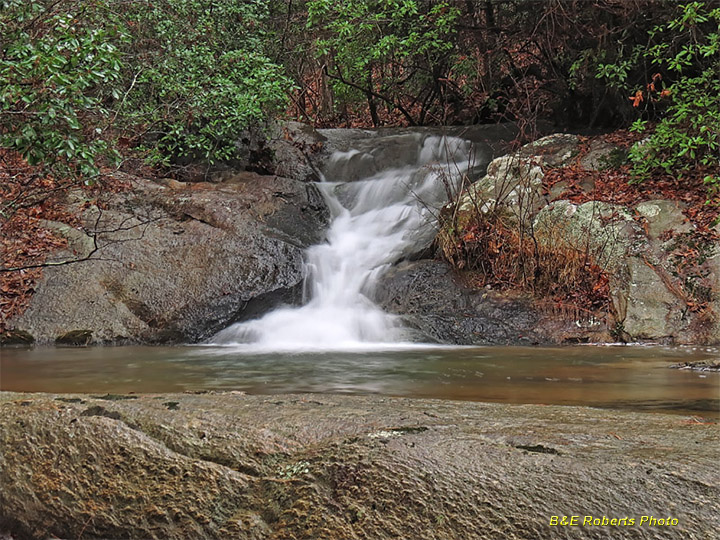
pixel 26 198
pixel 615 185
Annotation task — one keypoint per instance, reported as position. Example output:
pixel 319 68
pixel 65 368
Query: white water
pixel 386 216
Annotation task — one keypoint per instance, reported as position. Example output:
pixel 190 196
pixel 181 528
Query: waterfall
pixel 375 222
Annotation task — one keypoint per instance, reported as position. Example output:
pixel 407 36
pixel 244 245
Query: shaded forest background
pixel 84 82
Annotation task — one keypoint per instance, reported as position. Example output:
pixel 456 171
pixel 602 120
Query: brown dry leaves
pixel 615 185
pixel 26 197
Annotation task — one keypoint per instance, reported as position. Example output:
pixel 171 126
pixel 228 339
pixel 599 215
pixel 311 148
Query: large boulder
pixel 434 302
pixel 670 293
pixel 604 231
pixel 635 247
pixel 328 467
pixel 664 276
pixel 166 261
pixel 663 281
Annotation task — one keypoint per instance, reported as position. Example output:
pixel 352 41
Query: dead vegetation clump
pixel 493 252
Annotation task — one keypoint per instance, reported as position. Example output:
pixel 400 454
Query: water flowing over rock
pixel 178 262
pixel 376 221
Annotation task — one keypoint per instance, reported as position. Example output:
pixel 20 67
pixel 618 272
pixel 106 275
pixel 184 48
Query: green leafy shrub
pixel 197 76
pixel 685 54
pixel 58 63
pixel 184 78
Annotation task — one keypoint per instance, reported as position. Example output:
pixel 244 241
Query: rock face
pixel 604 230
pixel 434 302
pixel 658 294
pixel 639 249
pixel 297 151
pixel 172 262
pixel 328 467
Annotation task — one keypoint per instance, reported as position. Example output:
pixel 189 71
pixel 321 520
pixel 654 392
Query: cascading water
pixel 375 222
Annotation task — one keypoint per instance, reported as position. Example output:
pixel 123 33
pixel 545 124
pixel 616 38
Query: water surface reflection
pixel 630 377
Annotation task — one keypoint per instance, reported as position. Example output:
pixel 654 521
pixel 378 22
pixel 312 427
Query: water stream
pixel 626 377
pixel 375 221
pixel 338 341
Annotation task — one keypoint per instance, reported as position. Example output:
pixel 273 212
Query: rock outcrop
pixel 328 467
pixel 166 261
pixel 657 293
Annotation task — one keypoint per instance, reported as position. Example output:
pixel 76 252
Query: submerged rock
pixel 327 467
pixel 700 365
pixel 75 338
pixel 16 337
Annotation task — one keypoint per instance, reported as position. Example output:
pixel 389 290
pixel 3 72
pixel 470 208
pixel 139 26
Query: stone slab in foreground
pixel 228 465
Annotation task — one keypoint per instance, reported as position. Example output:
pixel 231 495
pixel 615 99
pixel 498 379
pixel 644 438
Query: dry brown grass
pixel 493 250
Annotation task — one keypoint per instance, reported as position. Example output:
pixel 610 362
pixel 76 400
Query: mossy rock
pixel 514 182
pixel 75 338
pixel 16 337
pixel 603 230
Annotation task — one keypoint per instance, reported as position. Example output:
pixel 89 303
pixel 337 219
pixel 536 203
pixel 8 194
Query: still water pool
pixel 627 377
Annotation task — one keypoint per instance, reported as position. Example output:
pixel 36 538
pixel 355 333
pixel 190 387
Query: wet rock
pixel 513 183
pixel 327 467
pixel 374 154
pixel 174 261
pixel 75 338
pixel 701 365
pixel 434 302
pixel 16 337
pixel 372 151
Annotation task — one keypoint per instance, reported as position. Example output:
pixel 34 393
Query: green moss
pixel 16 337
pixel 75 338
